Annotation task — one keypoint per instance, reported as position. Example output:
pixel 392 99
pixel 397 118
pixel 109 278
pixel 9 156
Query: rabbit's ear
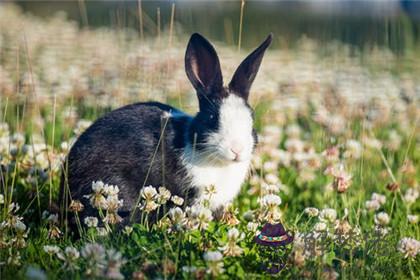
pixel 247 70
pixel 202 66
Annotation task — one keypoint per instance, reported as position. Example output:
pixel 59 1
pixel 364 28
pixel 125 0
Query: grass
pixel 314 112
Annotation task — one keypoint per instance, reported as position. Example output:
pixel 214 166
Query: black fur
pixel 138 145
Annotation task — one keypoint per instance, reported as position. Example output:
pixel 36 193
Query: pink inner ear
pixel 194 65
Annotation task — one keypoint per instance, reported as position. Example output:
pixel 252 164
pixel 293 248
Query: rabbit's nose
pixel 236 150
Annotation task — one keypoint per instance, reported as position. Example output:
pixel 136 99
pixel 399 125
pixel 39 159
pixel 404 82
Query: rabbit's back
pixel 120 148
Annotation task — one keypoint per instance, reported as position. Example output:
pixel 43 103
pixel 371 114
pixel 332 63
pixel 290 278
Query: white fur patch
pixel 218 167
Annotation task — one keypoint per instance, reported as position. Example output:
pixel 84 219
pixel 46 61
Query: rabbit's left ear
pixel 248 69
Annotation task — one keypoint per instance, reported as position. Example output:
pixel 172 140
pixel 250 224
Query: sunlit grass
pixel 337 131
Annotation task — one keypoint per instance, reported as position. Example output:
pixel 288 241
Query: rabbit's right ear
pixel 203 67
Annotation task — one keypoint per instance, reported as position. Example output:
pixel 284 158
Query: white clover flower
pixel 91 222
pixel 98 186
pixel 128 230
pixel 199 216
pixel 149 193
pixel 177 200
pixel 270 166
pixel 214 262
pixel 69 256
pixel 231 248
pixel 269 189
pixel 320 226
pixel 382 219
pixel 252 227
pixel 353 149
pixel 379 198
pixel 102 231
pixel 210 190
pixel 410 247
pixel 93 251
pixel 212 256
pixel 177 217
pixel 411 195
pixel 163 196
pixel 271 178
pixel 111 190
pixel 233 234
pixel 311 211
pixel 271 200
pixel 328 214
pixel 372 205
pixel 51 249
pixel 413 219
pixel 19 226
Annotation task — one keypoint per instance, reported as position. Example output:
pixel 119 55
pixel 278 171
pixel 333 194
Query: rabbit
pixel 155 144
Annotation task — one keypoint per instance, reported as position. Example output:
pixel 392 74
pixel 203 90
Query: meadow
pixel 337 161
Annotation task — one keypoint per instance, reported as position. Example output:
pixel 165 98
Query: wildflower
pixel 271 200
pixel 229 215
pixel 138 275
pixel 128 230
pixel 271 178
pixel 372 205
pixel 320 226
pixel 231 248
pixel 91 222
pixel 53 219
pixel 14 258
pixel 214 262
pixel 410 247
pixel 311 211
pixel 102 231
pixel 210 190
pixel 54 232
pixel 394 141
pixel 51 249
pixel 149 194
pixel 353 149
pixel 382 219
pixel 269 189
pixel 331 154
pixel 342 180
pixel 199 216
pixel 270 166
pixel 293 131
pixel 114 263
pixel 269 204
pixel 381 230
pixel 393 187
pixel 379 197
pixel 97 198
pixel 178 218
pixel 177 200
pixel 411 195
pixel 328 214
pixel 76 206
pixel 329 274
pixel 413 219
pixel 112 205
pixel 1 199
pixel 252 227
pixel 163 196
pixel 95 256
pixel 69 256
pixel 408 167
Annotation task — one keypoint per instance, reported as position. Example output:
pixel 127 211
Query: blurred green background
pixel 362 24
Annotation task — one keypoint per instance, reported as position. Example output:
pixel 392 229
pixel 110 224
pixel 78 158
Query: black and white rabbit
pixel 155 144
